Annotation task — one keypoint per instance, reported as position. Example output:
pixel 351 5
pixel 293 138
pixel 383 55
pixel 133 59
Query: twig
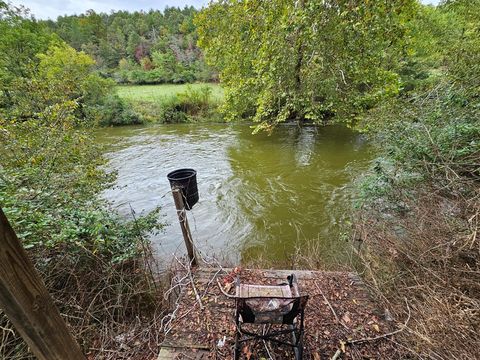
pixel 330 306
pixel 265 343
pixel 223 291
pixel 384 335
pixel 343 76
pixel 144 249
pixel 336 355
pixel 210 281
pixel 199 300
pixel 189 273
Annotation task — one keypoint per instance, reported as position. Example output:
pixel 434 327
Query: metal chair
pixel 270 304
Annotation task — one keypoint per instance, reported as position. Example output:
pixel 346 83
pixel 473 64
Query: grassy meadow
pixel 158 94
pixel 173 102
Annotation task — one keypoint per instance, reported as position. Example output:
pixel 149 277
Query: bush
pixel 114 111
pixel 172 111
pixel 192 104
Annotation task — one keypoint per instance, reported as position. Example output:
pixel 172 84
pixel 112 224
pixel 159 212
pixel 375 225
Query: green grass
pixel 152 101
pixel 160 93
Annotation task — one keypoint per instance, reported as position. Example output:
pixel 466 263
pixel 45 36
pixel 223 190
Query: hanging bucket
pixel 186 179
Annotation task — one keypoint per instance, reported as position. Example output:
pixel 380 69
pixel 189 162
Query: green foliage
pixel 159 47
pixel 463 48
pixel 50 169
pixel 116 111
pixel 420 200
pixel 302 60
pixel 21 38
pixel 50 178
pixel 192 104
pixel 431 134
pixel 64 75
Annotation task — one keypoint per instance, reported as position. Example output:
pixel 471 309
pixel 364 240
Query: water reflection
pixel 260 196
pixel 292 188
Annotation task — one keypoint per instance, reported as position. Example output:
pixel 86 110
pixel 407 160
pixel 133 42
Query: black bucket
pixel 186 179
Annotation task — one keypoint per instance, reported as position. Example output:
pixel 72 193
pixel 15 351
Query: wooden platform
pixel 340 309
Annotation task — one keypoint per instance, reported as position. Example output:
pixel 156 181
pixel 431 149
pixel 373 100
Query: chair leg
pixel 236 350
pixel 300 347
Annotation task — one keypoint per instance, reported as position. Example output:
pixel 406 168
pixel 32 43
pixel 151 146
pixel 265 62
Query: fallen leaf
pixel 346 318
pixel 247 352
pixel 228 286
pixel 376 327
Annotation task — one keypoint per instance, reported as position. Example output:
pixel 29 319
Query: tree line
pixel 138 47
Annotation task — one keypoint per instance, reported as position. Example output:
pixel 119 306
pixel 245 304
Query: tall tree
pixel 304 60
pixel 21 38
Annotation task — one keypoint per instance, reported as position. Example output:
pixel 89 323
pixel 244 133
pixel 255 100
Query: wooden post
pixel 182 218
pixel 27 303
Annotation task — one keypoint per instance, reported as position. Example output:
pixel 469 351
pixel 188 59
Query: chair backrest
pixel 270 309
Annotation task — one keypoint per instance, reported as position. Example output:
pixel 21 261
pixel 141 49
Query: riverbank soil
pixel 341 320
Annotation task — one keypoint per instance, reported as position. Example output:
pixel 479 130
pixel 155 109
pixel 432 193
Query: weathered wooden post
pixel 27 303
pixel 182 218
pixel 183 183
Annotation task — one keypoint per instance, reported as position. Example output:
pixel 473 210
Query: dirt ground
pixel 341 320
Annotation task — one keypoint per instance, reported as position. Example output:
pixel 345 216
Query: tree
pixel 107 38
pixel 304 60
pixel 21 38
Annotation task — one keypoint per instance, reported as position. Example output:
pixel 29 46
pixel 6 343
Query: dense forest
pixel 405 74
pixel 151 47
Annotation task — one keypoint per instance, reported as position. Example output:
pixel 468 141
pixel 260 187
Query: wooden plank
pixel 249 290
pixel 26 302
pixel 207 273
pixel 166 354
pixel 181 344
pixel 172 354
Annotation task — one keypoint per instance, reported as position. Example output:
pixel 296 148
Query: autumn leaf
pixel 346 318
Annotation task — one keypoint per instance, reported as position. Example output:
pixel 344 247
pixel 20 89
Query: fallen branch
pixel 328 303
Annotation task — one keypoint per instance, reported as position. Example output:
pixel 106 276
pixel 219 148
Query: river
pixel 261 197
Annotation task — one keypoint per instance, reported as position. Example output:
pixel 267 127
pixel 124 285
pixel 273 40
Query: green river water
pixel 261 197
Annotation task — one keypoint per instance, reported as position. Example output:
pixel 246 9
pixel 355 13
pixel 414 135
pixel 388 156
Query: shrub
pixel 192 104
pixel 114 111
